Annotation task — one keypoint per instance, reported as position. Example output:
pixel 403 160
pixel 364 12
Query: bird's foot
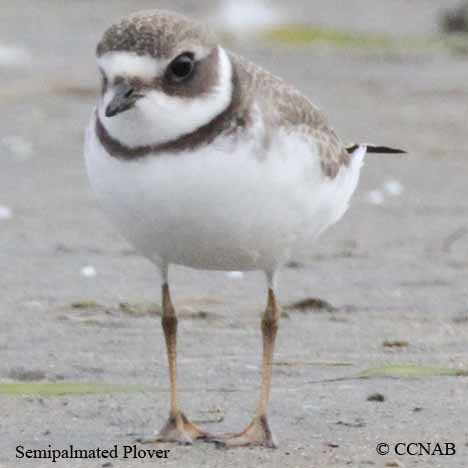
pixel 257 433
pixel 179 429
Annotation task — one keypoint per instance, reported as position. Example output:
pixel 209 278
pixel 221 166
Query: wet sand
pixel 395 272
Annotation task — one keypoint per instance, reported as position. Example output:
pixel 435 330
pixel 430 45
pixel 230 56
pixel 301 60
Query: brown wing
pixel 284 106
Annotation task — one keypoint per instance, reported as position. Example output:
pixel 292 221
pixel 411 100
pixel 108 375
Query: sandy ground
pixel 394 271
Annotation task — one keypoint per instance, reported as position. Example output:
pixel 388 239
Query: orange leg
pixel 178 427
pixel 258 432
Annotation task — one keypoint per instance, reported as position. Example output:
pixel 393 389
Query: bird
pixel 203 159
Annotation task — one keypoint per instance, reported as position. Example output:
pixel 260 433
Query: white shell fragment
pixel 393 188
pixel 14 56
pixel 20 148
pixel 88 272
pixel 235 274
pixel 6 213
pixel 241 16
pixel 375 197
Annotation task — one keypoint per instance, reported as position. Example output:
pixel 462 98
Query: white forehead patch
pixel 129 64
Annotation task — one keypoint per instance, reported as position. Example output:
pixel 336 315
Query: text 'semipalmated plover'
pixel 201 158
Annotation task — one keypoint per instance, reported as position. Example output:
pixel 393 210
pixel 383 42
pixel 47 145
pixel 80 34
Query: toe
pixel 257 433
pixel 178 429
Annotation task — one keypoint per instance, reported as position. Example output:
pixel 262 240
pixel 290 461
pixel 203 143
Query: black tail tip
pixel 376 149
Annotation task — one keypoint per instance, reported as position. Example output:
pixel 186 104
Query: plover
pixel 203 159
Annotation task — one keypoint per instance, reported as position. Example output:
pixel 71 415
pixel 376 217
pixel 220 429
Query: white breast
pixel 228 206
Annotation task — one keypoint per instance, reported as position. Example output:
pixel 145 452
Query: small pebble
pixel 331 445
pixel 376 397
pixel 395 344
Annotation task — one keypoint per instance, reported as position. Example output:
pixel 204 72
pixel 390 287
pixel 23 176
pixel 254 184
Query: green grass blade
pixel 47 389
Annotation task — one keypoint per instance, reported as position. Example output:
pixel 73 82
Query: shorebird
pixel 203 159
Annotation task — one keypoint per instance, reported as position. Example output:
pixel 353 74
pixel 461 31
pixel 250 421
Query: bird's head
pixel 163 77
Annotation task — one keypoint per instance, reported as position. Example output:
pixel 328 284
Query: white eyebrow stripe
pixel 129 64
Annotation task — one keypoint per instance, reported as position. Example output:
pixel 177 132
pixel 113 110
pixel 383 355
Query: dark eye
pixel 182 67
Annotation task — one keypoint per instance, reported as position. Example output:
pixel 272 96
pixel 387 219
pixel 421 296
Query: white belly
pixel 223 207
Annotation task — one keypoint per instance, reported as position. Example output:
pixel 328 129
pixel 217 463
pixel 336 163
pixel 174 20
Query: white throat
pixel 159 118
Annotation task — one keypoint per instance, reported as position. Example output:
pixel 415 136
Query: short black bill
pixel 124 99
